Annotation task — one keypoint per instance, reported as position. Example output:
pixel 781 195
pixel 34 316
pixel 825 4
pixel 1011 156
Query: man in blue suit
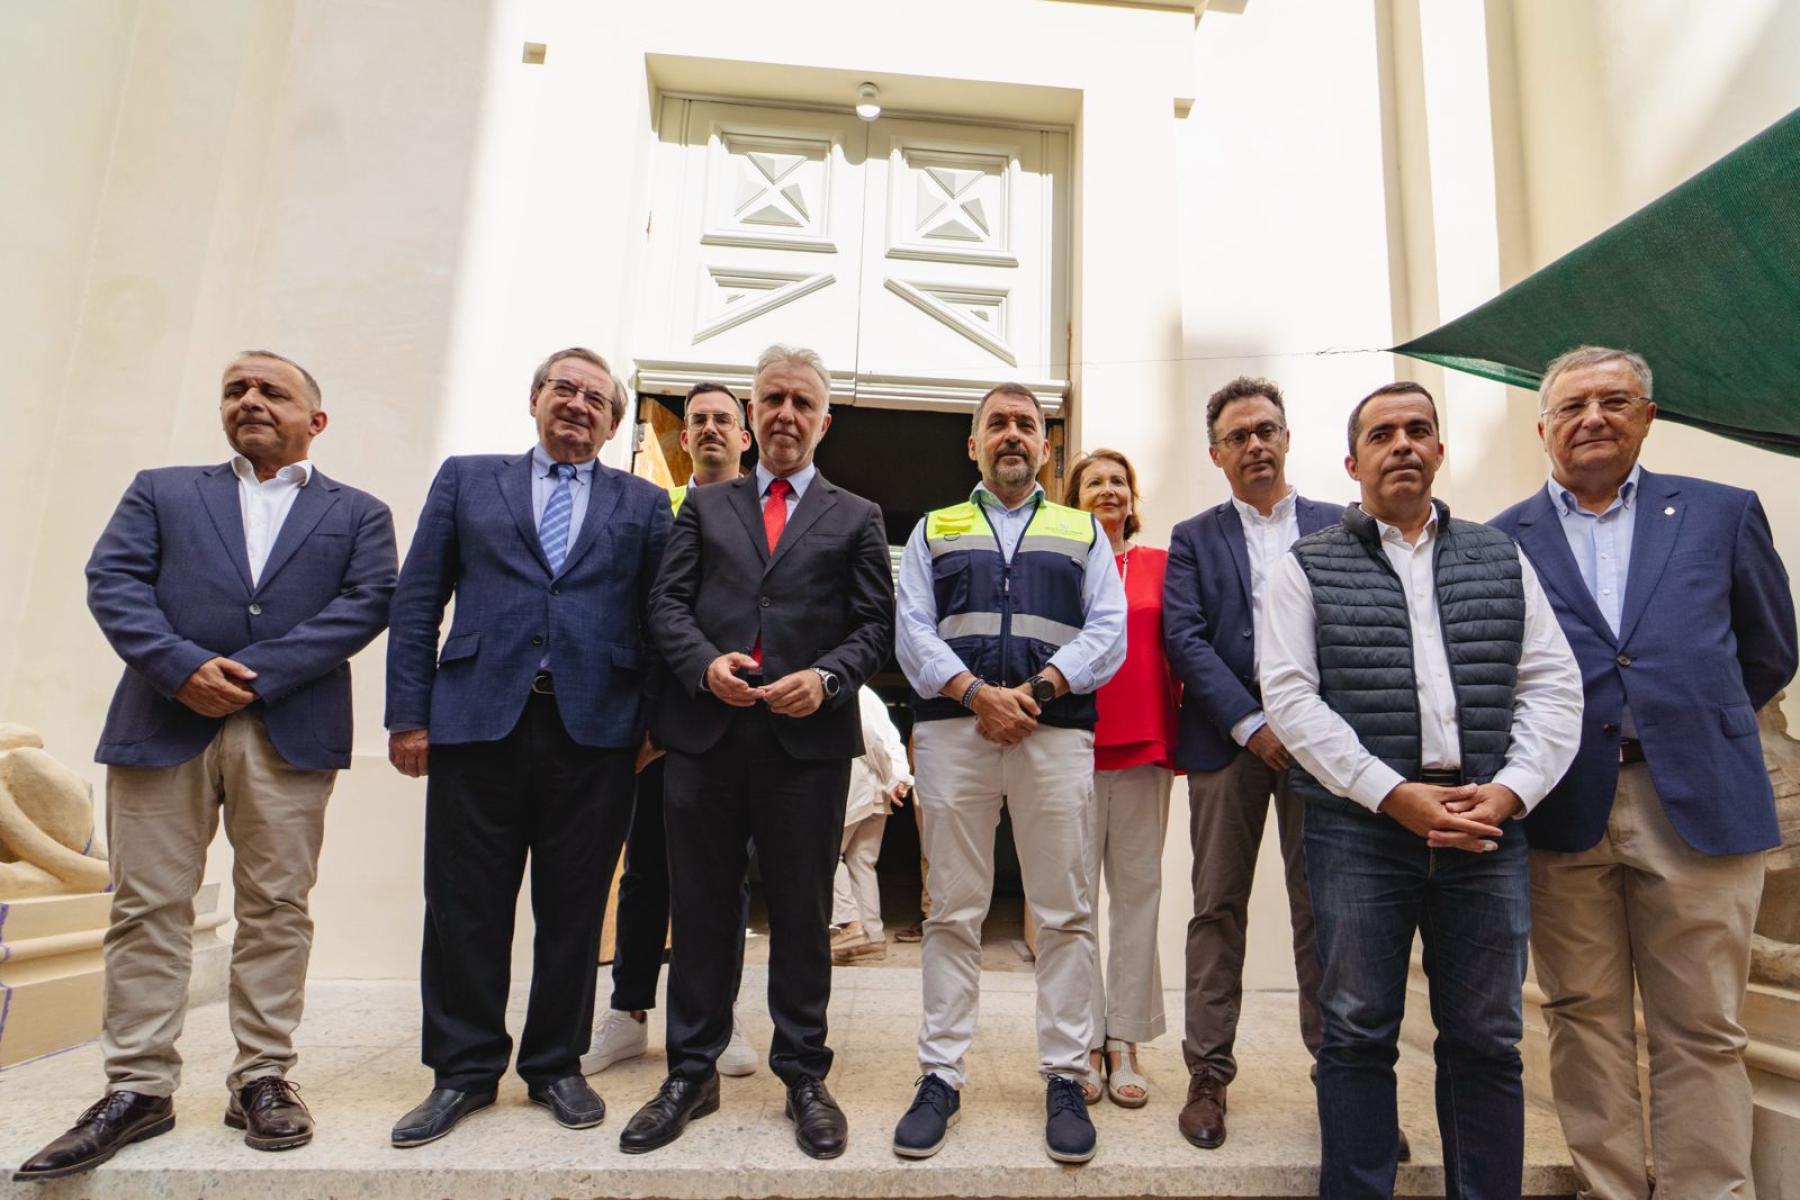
pixel 1646 860
pixel 236 595
pixel 527 721
pixel 1218 564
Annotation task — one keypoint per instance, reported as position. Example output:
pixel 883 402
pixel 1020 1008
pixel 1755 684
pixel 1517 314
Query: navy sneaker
pixel 922 1131
pixel 1068 1130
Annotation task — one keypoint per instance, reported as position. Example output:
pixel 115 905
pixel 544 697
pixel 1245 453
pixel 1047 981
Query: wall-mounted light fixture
pixel 868 102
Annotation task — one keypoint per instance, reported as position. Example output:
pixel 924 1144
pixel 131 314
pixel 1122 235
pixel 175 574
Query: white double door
pixel 921 259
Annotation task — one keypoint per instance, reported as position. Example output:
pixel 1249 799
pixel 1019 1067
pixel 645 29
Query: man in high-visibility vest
pixel 1011 615
pixel 715 435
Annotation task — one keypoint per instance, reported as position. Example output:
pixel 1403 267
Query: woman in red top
pixel 1134 747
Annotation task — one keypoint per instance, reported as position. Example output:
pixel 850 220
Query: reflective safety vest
pixel 676 496
pixel 1005 619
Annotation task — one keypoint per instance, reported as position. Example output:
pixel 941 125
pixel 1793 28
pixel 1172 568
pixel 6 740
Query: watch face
pixel 1043 691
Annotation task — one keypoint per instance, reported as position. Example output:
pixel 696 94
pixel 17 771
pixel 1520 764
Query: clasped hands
pixel 1468 817
pixel 794 695
pixel 218 687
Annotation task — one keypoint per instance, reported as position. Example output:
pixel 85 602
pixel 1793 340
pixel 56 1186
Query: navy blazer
pixel 1208 627
pixel 477 539
pixel 169 585
pixel 1706 637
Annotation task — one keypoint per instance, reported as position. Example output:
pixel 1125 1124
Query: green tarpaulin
pixel 1704 282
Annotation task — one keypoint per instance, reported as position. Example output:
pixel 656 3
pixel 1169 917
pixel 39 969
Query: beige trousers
pixel 1046 783
pixel 855 890
pixel 1643 906
pixel 1131 815
pixel 159 821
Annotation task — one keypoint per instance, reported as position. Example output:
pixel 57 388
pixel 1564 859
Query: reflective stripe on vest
pixel 676 496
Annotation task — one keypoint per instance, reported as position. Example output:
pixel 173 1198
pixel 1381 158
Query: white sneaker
pixel 617 1037
pixel 739 1057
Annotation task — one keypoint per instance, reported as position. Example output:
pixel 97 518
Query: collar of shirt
pixel 1566 505
pixel 299 473
pixel 1391 533
pixel 1284 508
pixel 541 462
pixel 982 496
pixel 800 480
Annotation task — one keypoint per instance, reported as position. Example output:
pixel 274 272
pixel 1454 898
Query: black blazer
pixel 824 598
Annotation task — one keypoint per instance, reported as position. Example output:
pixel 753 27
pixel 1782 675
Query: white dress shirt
pixel 1266 539
pixel 800 480
pixel 1546 700
pixel 543 482
pixel 265 505
pixel 881 765
pixel 1088 661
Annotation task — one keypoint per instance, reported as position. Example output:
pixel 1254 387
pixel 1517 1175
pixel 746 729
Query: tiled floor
pixel 359 1070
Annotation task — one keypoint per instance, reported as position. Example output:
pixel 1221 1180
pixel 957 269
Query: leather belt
pixel 1631 750
pixel 1441 778
pixel 542 684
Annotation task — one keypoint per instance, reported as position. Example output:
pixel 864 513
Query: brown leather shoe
pixel 271 1114
pixel 116 1120
pixel 1202 1119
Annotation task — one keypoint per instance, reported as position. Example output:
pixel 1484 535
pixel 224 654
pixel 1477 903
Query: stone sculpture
pixel 48 845
pixel 1775 952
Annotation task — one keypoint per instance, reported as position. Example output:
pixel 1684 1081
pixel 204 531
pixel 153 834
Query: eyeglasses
pixel 1266 433
pixel 700 420
pixel 1613 404
pixel 568 389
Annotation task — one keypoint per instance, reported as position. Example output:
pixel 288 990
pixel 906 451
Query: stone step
pixel 359 1070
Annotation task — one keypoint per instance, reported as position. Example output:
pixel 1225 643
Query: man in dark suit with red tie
pixel 774 604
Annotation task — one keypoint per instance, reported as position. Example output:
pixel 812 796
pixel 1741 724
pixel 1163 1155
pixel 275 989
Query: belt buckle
pixel 542 684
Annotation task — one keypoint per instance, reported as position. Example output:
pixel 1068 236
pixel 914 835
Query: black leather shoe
pixel 819 1125
pixel 437 1115
pixel 117 1119
pixel 571 1101
pixel 1405 1148
pixel 661 1121
pixel 270 1113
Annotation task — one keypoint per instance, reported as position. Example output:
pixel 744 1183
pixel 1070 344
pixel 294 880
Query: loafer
pixel 667 1114
pixel 571 1101
pixel 114 1121
pixel 271 1114
pixel 820 1129
pixel 1202 1119
pixel 437 1115
pixel 925 1127
pixel 1068 1130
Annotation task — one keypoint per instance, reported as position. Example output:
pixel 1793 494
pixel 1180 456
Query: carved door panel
pixel 756 235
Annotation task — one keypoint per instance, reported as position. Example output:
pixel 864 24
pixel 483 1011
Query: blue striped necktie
pixel 553 529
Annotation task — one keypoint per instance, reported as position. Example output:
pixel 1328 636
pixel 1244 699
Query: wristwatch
pixel 1042 690
pixel 830 681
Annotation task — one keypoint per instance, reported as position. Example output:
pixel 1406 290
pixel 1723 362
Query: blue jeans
pixel 1373 883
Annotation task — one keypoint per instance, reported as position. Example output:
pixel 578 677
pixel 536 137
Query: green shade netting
pixel 1704 282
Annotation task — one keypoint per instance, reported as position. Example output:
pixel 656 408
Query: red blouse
pixel 1138 705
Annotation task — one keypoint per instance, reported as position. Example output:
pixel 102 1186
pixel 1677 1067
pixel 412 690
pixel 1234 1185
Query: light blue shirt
pixel 543 482
pixel 1088 661
pixel 801 480
pixel 1601 544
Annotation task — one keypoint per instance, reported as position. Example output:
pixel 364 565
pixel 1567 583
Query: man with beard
pixel 527 721
pixel 235 594
pixel 1011 616
pixel 1415 671
pixel 774 605
pixel 1647 863
pixel 715 434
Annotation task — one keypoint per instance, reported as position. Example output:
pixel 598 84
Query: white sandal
pixel 1125 1075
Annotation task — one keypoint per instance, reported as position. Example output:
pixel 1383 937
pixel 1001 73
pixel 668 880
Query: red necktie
pixel 774 521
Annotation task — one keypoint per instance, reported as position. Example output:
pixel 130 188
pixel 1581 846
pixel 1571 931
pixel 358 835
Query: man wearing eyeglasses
pixel 1646 860
pixel 527 722
pixel 1219 564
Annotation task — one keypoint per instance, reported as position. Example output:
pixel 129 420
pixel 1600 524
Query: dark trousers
pixel 748 788
pixel 490 806
pixel 1373 884
pixel 641 920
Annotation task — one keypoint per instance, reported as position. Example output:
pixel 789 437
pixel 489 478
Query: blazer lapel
pixel 514 479
pixel 219 494
pixel 312 503
pixel 749 510
pixel 819 497
pixel 1653 534
pixel 604 490
pixel 1541 534
pixel 1231 527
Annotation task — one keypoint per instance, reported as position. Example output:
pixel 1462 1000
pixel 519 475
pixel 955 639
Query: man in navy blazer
pixel 1646 860
pixel 1218 562
pixel 527 721
pixel 236 595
